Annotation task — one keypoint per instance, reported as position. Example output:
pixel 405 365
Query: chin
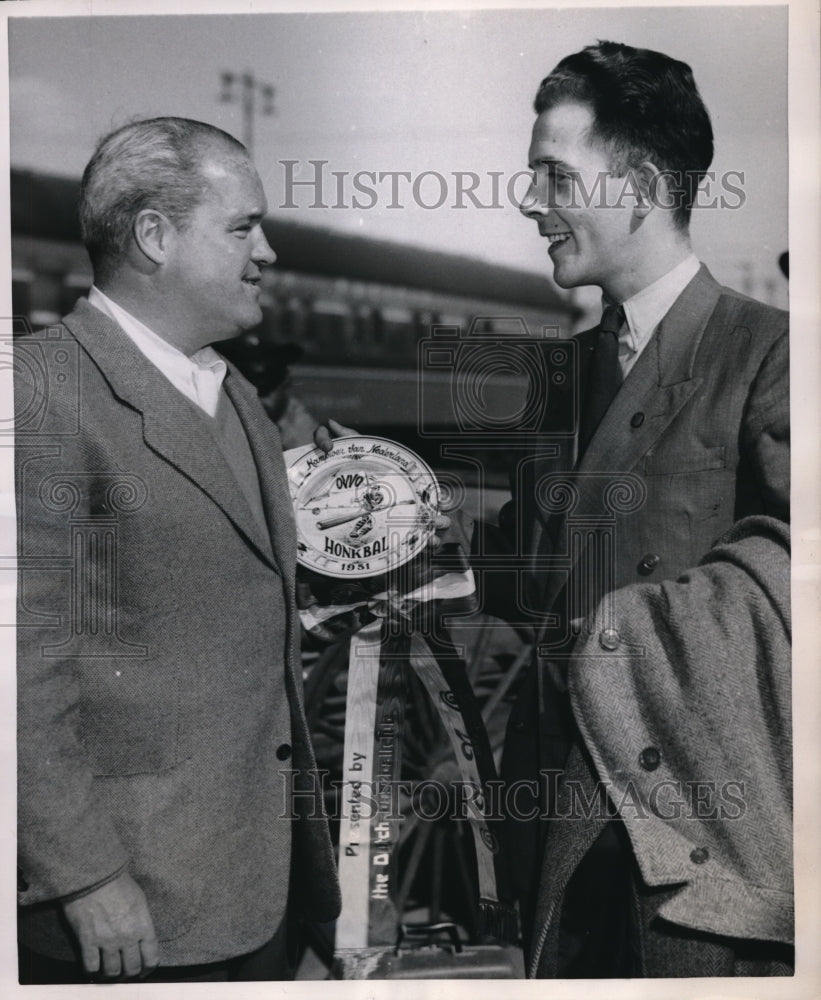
pixel 232 334
pixel 563 278
pixel 567 276
pixel 244 324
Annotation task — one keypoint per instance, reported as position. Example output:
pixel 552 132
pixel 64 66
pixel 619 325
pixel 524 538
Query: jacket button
pixel 649 563
pixel 609 639
pixel 519 727
pixel 649 758
pixel 699 855
pixel 637 419
pixel 283 751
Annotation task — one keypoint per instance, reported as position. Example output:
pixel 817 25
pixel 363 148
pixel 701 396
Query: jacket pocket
pixel 673 462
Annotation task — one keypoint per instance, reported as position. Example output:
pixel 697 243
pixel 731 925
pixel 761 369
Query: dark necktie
pixel 604 375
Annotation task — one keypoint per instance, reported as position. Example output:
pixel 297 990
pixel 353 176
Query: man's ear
pixel 153 234
pixel 653 188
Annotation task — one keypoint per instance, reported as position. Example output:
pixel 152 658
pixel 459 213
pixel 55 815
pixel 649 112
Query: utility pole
pixel 250 90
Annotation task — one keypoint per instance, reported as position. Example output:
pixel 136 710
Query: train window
pixel 425 319
pixel 398 333
pixel 368 326
pixel 331 307
pixel 331 328
pixel 294 321
pixel 452 319
pixel 397 316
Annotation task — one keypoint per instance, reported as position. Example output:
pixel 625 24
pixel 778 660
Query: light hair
pixel 154 163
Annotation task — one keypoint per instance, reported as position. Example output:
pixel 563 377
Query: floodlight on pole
pixel 250 90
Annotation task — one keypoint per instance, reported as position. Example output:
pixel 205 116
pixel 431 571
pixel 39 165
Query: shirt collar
pixel 199 377
pixel 647 308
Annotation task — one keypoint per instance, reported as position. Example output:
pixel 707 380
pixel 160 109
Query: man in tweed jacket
pixel 166 814
pixel 655 722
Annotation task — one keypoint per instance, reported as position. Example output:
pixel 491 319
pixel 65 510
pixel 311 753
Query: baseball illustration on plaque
pixel 363 509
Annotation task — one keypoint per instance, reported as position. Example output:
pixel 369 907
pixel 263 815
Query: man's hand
pixel 114 929
pixel 455 526
pixel 325 433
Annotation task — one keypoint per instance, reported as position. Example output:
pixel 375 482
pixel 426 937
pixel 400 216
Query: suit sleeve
pixel 67 842
pixel 765 433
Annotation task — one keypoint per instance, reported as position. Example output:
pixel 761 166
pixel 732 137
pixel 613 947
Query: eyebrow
pixel 252 217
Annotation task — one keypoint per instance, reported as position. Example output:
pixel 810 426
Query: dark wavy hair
pixel 646 106
pixel 153 163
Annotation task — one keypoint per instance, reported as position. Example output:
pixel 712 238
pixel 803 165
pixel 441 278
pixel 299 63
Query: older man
pixel 166 813
pixel 659 537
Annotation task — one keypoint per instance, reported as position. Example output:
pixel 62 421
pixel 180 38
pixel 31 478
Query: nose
pixel 534 205
pixel 263 255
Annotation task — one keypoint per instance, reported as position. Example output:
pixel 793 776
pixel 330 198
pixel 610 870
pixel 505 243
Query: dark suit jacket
pixel 696 440
pixel 160 691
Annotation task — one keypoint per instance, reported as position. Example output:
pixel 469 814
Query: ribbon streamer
pixel 369 827
pixel 369 824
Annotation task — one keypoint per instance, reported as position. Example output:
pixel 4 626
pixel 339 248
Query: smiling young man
pixel 656 718
pixel 620 225
pixel 161 727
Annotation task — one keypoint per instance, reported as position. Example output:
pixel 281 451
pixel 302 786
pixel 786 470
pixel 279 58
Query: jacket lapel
pixel 173 426
pixel 266 447
pixel 657 387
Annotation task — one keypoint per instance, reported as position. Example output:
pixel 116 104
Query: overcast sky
pixel 414 92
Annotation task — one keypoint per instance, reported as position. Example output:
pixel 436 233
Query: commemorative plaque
pixel 363 509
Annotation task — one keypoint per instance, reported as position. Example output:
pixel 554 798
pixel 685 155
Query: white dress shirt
pixel 199 377
pixel 647 308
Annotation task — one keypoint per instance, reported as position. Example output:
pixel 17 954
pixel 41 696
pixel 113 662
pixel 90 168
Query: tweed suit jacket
pixel 688 732
pixel 696 441
pixel 161 728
